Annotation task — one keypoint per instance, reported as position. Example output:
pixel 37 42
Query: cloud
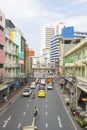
pixel 21 8
pixel 31 15
pixel 77 2
pixel 79 22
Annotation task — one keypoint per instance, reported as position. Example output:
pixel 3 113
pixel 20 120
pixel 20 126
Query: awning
pixel 3 86
pixel 84 88
pixel 11 85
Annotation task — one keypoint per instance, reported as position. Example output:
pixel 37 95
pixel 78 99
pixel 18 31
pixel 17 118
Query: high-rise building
pixel 54 50
pixel 46 35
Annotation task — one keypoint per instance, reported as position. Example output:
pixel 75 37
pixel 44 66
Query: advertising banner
pixel 68 32
pixel 30 53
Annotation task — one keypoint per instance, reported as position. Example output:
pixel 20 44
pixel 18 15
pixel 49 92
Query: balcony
pixel 84 60
pixel 69 64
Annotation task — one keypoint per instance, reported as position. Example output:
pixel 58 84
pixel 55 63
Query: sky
pixel 31 15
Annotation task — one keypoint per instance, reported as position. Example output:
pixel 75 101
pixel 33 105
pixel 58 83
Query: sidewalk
pixel 10 98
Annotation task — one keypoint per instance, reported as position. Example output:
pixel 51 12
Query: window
pixel 1 65
pixel 1 47
pixel 83 72
pixel 79 55
pixel 83 53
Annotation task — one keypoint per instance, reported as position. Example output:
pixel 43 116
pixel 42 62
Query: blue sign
pixel 68 32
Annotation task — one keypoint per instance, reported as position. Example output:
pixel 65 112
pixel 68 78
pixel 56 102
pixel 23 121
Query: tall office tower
pixel 46 34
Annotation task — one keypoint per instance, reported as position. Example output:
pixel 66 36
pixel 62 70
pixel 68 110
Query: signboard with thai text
pixel 30 53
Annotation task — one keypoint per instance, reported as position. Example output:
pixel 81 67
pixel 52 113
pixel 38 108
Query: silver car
pixel 26 92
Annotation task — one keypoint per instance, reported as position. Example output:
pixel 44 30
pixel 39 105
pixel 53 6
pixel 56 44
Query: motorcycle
pixel 33 95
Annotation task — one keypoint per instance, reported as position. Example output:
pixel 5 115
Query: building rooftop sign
pixel 68 32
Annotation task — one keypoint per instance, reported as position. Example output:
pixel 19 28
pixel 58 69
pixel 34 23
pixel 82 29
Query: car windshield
pixel 26 90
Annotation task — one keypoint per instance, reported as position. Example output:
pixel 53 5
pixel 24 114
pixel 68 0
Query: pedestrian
pixel 35 111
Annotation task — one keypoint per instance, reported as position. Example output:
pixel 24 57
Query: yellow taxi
pixel 41 93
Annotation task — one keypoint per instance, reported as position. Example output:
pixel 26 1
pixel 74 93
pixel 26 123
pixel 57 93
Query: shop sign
pixel 21 55
pixel 84 99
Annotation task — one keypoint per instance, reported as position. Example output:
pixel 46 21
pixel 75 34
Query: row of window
pixel 79 55
pixel 80 71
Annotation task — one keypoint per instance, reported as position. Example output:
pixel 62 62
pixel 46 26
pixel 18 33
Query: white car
pixel 50 86
pixel 26 92
pixel 33 86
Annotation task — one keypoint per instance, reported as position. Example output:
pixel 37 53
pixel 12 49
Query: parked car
pixel 26 92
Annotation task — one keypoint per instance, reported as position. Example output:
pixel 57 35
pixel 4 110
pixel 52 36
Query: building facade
pixel 46 35
pixel 67 42
pixel 2 45
pixel 75 64
pixel 12 68
pixel 54 50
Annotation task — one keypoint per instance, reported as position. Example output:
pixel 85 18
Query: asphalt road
pixel 52 113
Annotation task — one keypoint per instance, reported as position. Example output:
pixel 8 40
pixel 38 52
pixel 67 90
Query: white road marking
pixel 27 105
pixel 46 125
pixel 6 121
pixel 66 109
pixel 59 120
pixel 19 125
pixel 46 106
pixel 33 122
pixel 46 100
pixel 46 113
pixel 29 100
pixel 24 113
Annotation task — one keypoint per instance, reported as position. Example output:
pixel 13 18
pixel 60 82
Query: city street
pixel 52 113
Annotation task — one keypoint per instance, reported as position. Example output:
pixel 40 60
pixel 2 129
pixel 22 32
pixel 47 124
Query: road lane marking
pixel 27 105
pixel 33 122
pixel 46 100
pixel 45 105
pixel 29 100
pixel 6 121
pixel 59 120
pixel 46 125
pixel 46 113
pixel 66 109
pixel 24 113
pixel 19 125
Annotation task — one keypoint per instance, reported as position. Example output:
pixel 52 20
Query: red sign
pixel 30 53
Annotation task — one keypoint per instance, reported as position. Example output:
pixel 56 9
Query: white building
pixel 46 35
